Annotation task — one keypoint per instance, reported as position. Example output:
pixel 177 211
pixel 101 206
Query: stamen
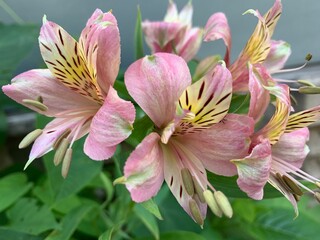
pixel 223 203
pixel 198 190
pixel 195 212
pixel 35 104
pixel 212 203
pixel 318 184
pixel 293 187
pixel 306 83
pixel 187 181
pixel 309 90
pixel 66 163
pixel 61 151
pixel 62 136
pixel 296 197
pixel 278 176
pixel 307 59
pixel 30 138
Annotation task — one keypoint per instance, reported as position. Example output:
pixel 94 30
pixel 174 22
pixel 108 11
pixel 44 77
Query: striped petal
pixel 66 60
pixel 156 82
pixel 208 99
pixel 303 119
pixel 100 42
pixel 272 16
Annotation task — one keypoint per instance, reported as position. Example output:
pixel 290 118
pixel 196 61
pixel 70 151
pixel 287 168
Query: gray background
pixel 299 24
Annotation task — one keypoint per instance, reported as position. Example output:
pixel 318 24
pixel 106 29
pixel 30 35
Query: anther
pixel 223 203
pixel 59 139
pixel 61 151
pixel 187 181
pixel 199 190
pixel 35 104
pixel 40 99
pixel 212 203
pixel 66 163
pixel 309 90
pixel 317 184
pixel 306 83
pixel 195 212
pixel 308 57
pixel 296 197
pixel 30 138
pixel 292 185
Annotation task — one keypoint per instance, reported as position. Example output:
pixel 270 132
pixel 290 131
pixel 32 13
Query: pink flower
pixel 258 50
pixel 279 148
pixel 76 89
pixel 175 33
pixel 193 131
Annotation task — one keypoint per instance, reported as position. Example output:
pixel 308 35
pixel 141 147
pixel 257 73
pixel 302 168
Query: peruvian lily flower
pixel 76 89
pixel 259 48
pixel 175 33
pixel 279 148
pixel 193 131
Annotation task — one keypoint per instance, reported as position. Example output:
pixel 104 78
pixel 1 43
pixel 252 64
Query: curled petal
pixel 100 42
pixel 254 170
pixel 111 125
pixel 156 83
pixel 144 169
pixel 217 27
pixel 292 147
pixel 221 143
pixel 41 84
pixel 278 55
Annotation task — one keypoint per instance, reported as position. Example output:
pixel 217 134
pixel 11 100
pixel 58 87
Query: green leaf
pixel 15 43
pixel 107 235
pixel 81 172
pixel 228 185
pixel 141 127
pixel 240 104
pixel 152 207
pixel 3 127
pixel 108 186
pixel 181 235
pixel 122 90
pixel 12 187
pixel 148 220
pixel 138 42
pixel 27 216
pixel 9 234
pixel 69 223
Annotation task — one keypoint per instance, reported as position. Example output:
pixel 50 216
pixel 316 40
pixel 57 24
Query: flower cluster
pixel 194 129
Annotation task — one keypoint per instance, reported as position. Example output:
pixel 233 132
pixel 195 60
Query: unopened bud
pixel 35 104
pixel 187 181
pixel 309 90
pixel 223 203
pixel 210 200
pixel 30 138
pixel 195 212
pixel 66 163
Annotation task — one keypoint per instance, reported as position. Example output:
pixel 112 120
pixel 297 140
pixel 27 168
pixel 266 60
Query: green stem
pixel 10 11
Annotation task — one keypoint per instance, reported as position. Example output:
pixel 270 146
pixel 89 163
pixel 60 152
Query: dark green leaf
pixel 138 42
pixel 3 127
pixel 70 223
pixel 107 235
pixel 181 235
pixel 141 127
pixel 8 234
pixel 240 104
pixel 152 207
pixel 148 220
pixel 122 91
pixel 27 216
pixel 12 187
pixel 15 43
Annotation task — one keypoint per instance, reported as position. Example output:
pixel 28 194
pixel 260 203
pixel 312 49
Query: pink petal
pixel 272 16
pixel 66 60
pixel 177 157
pixel 185 15
pixel 254 170
pixel 259 96
pixel 41 83
pixel 224 141
pixel 156 83
pixel 53 130
pixel 172 12
pixel 278 55
pixel 190 45
pixel 111 125
pixel 101 43
pixel 144 169
pixel 217 27
pixel 292 147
